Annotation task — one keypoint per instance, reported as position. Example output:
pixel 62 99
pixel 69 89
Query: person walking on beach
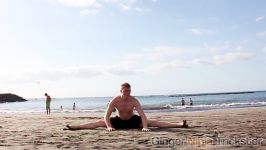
pixel 126 119
pixel 182 102
pixel 48 102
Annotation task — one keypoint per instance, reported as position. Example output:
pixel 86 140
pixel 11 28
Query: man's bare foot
pixel 185 125
pixel 68 127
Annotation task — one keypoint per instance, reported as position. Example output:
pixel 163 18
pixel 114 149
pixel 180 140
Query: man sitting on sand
pixel 126 119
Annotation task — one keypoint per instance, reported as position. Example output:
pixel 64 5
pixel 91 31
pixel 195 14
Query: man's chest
pixel 125 106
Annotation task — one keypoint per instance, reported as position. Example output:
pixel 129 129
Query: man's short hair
pixel 127 85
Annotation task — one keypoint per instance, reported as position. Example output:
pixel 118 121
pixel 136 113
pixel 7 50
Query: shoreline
pixel 35 131
pixel 153 110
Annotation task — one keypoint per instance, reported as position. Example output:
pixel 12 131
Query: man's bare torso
pixel 125 107
pixel 48 99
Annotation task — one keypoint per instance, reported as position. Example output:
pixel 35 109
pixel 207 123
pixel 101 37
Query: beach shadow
pixel 97 129
pixel 75 118
pixel 191 130
pixel 172 129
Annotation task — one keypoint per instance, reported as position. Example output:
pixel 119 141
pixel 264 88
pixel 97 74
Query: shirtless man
pixel 126 119
pixel 48 102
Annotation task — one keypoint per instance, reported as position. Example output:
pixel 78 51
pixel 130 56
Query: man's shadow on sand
pixel 190 129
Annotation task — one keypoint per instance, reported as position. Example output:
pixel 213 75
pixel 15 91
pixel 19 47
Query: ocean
pixel 153 103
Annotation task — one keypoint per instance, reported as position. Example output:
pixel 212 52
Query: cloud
pixel 79 3
pixel 199 31
pixel 202 61
pixel 166 66
pixel 157 53
pixel 157 59
pixel 125 7
pixel 154 60
pixel 217 47
pixel 33 75
pixel 263 33
pixel 259 18
pixel 121 70
pixel 129 5
pixel 226 58
pixel 232 57
pixel 78 72
pixel 97 5
pixel 89 12
pixel 163 58
pixel 143 9
pixel 264 50
pixel 85 72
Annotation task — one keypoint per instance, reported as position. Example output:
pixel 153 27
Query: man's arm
pixel 107 115
pixel 144 119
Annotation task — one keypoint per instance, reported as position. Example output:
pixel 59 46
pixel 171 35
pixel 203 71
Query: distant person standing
pixel 190 102
pixel 74 106
pixel 182 102
pixel 48 102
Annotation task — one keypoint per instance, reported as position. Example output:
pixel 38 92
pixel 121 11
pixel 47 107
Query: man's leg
pixel 92 125
pixel 160 124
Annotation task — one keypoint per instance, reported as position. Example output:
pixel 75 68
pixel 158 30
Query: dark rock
pixel 8 97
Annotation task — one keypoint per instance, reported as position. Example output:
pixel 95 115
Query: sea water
pixel 153 103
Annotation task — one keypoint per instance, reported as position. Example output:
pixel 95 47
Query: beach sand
pixel 242 128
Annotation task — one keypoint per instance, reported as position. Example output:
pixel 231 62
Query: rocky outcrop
pixel 8 97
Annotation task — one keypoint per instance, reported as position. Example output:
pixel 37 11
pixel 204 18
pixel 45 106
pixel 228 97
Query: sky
pixel 87 48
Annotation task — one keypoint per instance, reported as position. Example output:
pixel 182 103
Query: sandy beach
pixel 242 128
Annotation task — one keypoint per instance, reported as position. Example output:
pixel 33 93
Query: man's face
pixel 125 91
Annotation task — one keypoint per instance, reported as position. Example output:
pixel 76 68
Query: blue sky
pixel 72 48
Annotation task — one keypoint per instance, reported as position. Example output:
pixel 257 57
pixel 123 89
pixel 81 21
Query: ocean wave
pixel 204 106
pixel 205 94
pixel 36 111
pixel 148 108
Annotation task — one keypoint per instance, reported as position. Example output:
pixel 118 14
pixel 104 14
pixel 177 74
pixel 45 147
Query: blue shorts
pixel 133 123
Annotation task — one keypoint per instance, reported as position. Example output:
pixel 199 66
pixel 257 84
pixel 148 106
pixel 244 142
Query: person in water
pixel 190 102
pixel 183 102
pixel 74 106
pixel 126 119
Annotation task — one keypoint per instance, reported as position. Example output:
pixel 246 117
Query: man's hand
pixel 110 129
pixel 145 130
